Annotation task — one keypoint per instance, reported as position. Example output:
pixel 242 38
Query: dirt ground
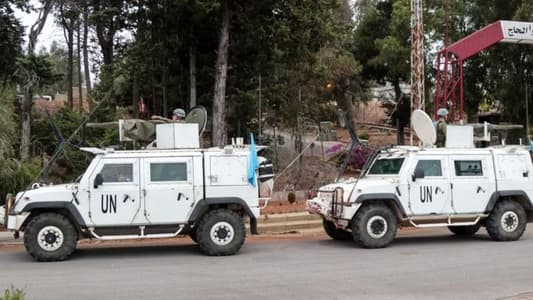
pixel 307 174
pixel 283 207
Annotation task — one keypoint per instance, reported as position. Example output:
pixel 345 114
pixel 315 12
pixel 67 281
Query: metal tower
pixel 417 55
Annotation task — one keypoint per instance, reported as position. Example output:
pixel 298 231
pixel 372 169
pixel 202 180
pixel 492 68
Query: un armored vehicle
pixel 174 189
pixel 459 187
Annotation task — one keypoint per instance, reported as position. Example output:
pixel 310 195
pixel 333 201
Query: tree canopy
pixel 282 63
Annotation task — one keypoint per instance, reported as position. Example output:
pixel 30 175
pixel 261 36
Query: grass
pixel 13 294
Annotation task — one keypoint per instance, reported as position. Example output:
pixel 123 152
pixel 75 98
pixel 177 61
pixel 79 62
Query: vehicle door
pixel 472 182
pixel 429 190
pixel 116 200
pixel 168 189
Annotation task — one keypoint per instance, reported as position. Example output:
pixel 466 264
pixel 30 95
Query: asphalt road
pixel 419 264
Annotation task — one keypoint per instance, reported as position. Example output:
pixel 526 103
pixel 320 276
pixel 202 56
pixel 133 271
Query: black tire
pixel 47 230
pixel 192 234
pixel 335 233
pixel 231 228
pixel 374 226
pixel 507 221
pixel 465 230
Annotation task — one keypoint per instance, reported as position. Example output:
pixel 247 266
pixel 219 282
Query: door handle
pixel 480 189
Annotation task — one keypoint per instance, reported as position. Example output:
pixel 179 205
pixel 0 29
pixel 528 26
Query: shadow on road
pixel 420 240
pixel 440 239
pixel 136 251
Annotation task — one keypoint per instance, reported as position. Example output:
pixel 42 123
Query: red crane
pixel 450 60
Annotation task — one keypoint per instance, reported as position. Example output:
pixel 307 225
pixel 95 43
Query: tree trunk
pixel 105 33
pixel 164 80
pixel 26 123
pixel 221 71
pixel 399 126
pixel 154 102
pixel 192 76
pixel 135 95
pixel 80 79
pixel 347 104
pixel 70 67
pixel 68 31
pixel 35 31
pixel 86 68
pixel 397 90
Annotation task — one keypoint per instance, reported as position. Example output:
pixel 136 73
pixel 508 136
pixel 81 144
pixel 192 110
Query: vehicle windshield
pixel 386 166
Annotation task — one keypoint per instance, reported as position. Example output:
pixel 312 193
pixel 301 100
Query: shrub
pixel 16 176
pixel 13 294
pixel 363 136
pixel 360 154
pixel 291 197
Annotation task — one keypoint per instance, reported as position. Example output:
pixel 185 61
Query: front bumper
pixel 318 206
pixel 14 222
pixel 323 208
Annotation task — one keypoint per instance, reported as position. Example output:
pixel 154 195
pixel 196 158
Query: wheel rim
pixel 222 233
pixel 376 227
pixel 50 238
pixel 509 221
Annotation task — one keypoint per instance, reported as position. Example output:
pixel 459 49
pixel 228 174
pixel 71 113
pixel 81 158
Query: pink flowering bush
pixel 360 154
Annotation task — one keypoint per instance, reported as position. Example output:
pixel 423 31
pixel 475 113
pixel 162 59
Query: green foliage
pixel 13 294
pixel 7 123
pixel 363 136
pixel 14 176
pixel 19 176
pixel 37 69
pixel 72 162
pixel 57 56
pixel 11 32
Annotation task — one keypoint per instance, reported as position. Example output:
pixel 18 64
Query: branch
pixel 38 26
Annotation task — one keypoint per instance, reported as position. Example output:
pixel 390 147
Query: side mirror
pixel 98 180
pixel 419 173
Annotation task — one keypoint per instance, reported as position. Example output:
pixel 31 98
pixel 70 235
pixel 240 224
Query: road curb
pixel 290 222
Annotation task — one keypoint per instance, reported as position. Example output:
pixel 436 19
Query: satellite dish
pixel 423 127
pixel 198 115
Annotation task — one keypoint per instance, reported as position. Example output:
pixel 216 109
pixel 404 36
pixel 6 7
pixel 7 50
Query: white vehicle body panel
pixel 150 196
pixel 117 202
pixel 456 182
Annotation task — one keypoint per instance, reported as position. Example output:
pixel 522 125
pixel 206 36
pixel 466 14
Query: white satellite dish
pixel 423 127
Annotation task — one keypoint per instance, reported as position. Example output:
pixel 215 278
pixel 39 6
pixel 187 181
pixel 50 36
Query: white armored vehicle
pixel 155 193
pixel 460 187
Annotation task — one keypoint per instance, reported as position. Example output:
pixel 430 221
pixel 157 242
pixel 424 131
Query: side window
pixel 431 167
pixel 117 173
pixel 168 172
pixel 468 168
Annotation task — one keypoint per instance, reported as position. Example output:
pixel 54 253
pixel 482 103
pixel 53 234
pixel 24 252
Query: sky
pixel 50 31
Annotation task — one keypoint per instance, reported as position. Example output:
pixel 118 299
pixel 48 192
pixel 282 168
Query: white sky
pixel 50 31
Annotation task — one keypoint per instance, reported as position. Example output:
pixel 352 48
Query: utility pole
pixel 527 114
pixel 259 119
pixel 417 58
